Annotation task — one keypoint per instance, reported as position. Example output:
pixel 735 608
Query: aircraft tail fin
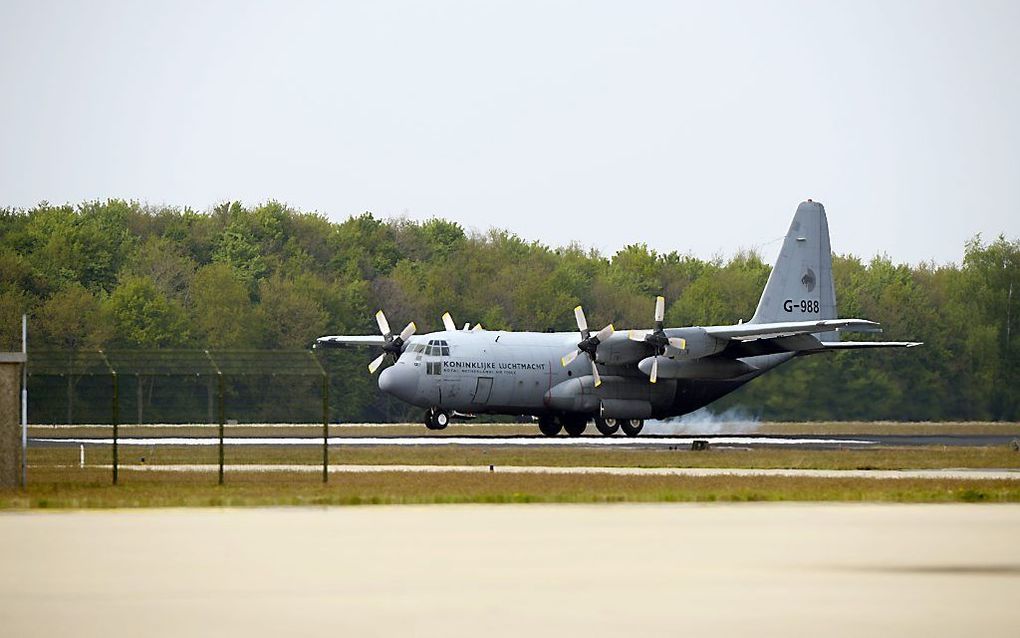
pixel 800 287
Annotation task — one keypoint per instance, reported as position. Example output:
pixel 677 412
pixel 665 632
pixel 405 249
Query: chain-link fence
pixel 111 389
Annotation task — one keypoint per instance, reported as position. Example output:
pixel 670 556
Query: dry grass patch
pixel 883 458
pixel 53 489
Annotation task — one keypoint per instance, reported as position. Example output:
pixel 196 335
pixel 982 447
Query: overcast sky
pixel 688 126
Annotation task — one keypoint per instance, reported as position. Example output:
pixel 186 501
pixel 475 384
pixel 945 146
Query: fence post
pixel 24 399
pixel 220 375
pixel 325 429
pixel 116 421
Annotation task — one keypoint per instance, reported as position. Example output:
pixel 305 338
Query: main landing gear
pixel 549 425
pixel 632 427
pixel 607 427
pixel 575 424
pixel 436 419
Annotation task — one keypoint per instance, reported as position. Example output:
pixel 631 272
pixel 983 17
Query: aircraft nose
pixel 400 381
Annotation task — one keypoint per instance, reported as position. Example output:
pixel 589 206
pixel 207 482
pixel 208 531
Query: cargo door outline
pixel 483 388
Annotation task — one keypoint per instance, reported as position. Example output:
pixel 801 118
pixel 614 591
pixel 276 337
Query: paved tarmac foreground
pixel 578 570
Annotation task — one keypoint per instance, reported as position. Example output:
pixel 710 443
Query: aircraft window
pixel 445 349
pixel 433 367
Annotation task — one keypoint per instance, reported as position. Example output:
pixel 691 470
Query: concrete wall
pixel 10 423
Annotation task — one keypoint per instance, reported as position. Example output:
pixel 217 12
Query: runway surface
pixel 955 474
pixel 742 440
pixel 611 570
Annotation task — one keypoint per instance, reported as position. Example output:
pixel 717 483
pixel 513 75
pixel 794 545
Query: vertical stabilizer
pixel 800 287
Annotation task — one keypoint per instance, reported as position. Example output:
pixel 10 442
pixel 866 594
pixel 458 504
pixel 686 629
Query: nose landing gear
pixel 436 419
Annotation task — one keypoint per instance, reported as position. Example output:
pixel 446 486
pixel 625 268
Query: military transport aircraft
pixel 620 378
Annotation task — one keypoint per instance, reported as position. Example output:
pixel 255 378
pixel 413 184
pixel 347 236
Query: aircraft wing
pixel 339 341
pixel 750 331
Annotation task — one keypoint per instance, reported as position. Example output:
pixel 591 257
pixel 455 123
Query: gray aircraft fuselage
pixel 520 373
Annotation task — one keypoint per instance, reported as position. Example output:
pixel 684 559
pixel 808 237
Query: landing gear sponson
pixel 575 425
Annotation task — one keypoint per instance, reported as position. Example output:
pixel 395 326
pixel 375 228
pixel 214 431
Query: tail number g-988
pixel 804 305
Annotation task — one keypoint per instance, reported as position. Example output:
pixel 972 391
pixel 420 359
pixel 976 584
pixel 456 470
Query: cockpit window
pixel 437 348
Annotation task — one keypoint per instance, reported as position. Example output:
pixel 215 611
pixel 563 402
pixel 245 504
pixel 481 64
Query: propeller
pixel 448 322
pixel 657 338
pixel 589 343
pixel 394 344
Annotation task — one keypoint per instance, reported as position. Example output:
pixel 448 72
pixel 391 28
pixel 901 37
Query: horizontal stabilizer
pixel 339 341
pixel 786 328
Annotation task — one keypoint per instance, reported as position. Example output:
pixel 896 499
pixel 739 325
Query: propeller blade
pixel 384 326
pixel 582 323
pixel 448 322
pixel 605 333
pixel 569 357
pixel 636 335
pixel 408 331
pixel 467 326
pixel 372 367
pixel 678 343
pixel 660 309
pixel 595 373
pixel 478 327
pixel 654 376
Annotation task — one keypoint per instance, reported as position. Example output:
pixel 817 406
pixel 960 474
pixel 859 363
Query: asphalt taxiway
pixel 647 441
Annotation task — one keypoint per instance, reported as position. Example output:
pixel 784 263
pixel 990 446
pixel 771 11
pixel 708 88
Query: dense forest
pixel 121 275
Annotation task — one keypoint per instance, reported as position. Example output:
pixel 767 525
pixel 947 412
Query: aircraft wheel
pixel 548 425
pixel 436 419
pixel 632 427
pixel 607 427
pixel 575 425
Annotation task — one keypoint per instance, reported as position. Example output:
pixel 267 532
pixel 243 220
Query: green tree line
pixel 119 274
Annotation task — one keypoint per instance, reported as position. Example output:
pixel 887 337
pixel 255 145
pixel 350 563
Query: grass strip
pixel 53 489
pixel 872 458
